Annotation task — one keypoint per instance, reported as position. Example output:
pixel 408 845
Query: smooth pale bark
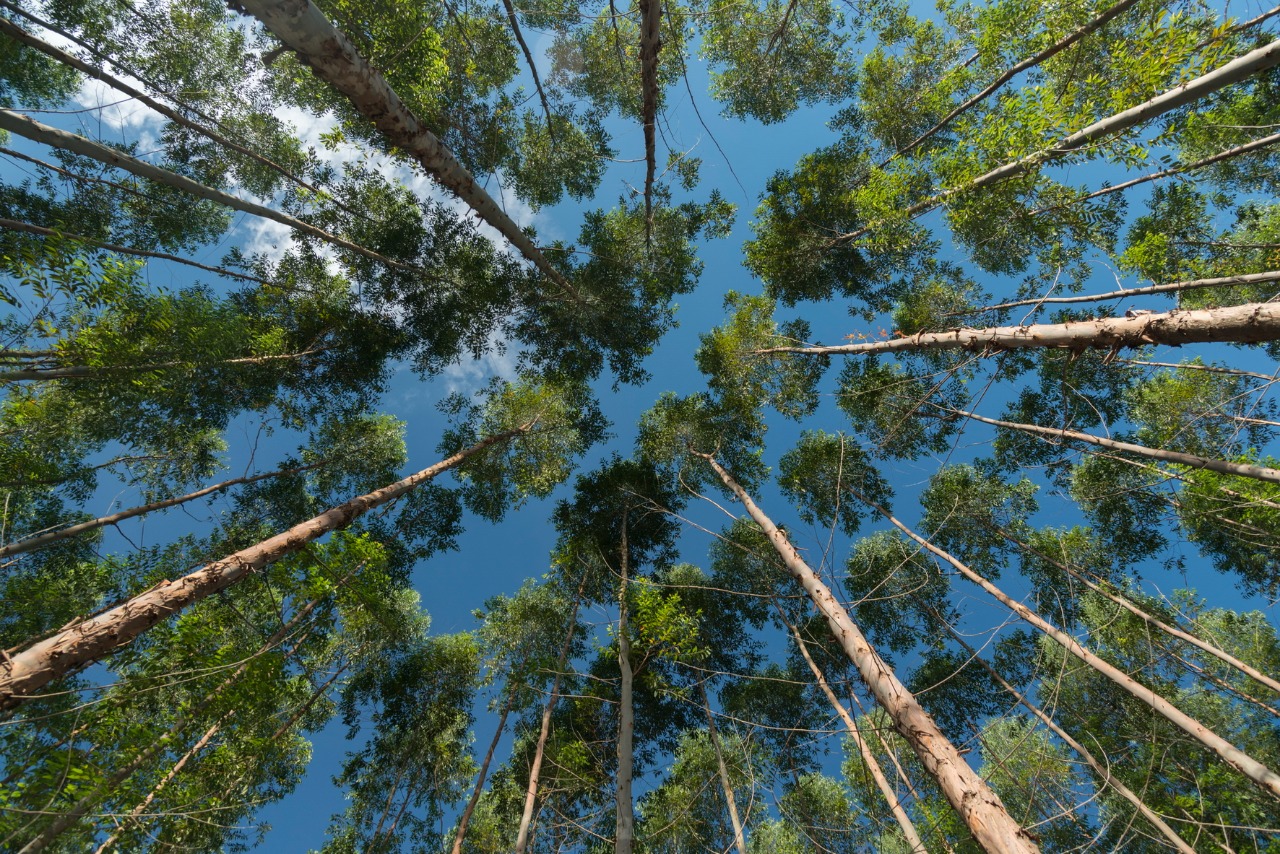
pixel 650 44
pixel 624 835
pixel 1220 654
pixel 726 785
pixel 82 372
pixel 868 758
pixel 1030 62
pixel 478 789
pixel 1264 777
pixel 1241 68
pixel 110 841
pixel 16 225
pixel 20 35
pixel 331 56
pixel 27 671
pixel 1238 324
pixel 535 769
pixel 1222 466
pixel 1220 282
pixel 978 806
pixel 37 132
pixel 1099 768
pixel 41 540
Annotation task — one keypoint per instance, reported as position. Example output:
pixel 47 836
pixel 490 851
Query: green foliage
pixel 831 481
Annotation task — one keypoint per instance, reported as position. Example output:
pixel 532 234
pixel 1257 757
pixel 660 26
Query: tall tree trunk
pixel 461 833
pixel 1014 70
pixel 650 44
pixel 533 67
pixel 1220 654
pixel 535 769
pixel 1241 68
pixel 1238 324
pixel 41 540
pixel 971 797
pixel 739 838
pixel 868 758
pixel 110 841
pixel 1196 462
pixel 303 28
pixel 624 836
pixel 71 60
pixel 51 136
pixel 90 372
pixel 1260 774
pixel 1168 287
pixel 1099 768
pixel 89 640
pixel 16 225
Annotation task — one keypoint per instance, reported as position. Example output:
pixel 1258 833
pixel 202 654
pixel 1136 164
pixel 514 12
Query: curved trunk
pixel 970 796
pixel 461 833
pixel 726 785
pixel 650 44
pixel 89 640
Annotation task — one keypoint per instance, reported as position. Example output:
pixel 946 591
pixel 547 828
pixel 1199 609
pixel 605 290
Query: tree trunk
pixel 20 35
pixel 91 639
pixel 41 540
pixel 979 806
pixel 1264 777
pixel 1239 324
pixel 1099 768
pixel 461 833
pixel 51 136
pixel 533 67
pixel 1241 68
pixel 303 28
pixel 16 225
pixel 1049 52
pixel 868 758
pixel 110 841
pixel 1222 466
pixel 624 836
pixel 1171 287
pixel 650 44
pixel 80 372
pixel 1220 654
pixel 535 769
pixel 739 838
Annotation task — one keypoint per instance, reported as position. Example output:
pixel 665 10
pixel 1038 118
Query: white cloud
pixel 469 376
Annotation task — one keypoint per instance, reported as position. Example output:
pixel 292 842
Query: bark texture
pixel 27 671
pixel 980 807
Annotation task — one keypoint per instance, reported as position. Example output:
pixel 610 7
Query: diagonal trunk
pixel 92 639
pixel 535 769
pixel 970 796
pixel 624 836
pixel 739 838
pixel 18 34
pixel 1240 324
pixel 33 130
pixel 533 67
pixel 868 758
pixel 1099 768
pixel 111 840
pixel 16 225
pixel 1241 68
pixel 303 28
pixel 1222 466
pixel 1013 71
pixel 1170 287
pixel 650 44
pixel 77 372
pixel 461 833
pixel 39 541
pixel 1260 774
